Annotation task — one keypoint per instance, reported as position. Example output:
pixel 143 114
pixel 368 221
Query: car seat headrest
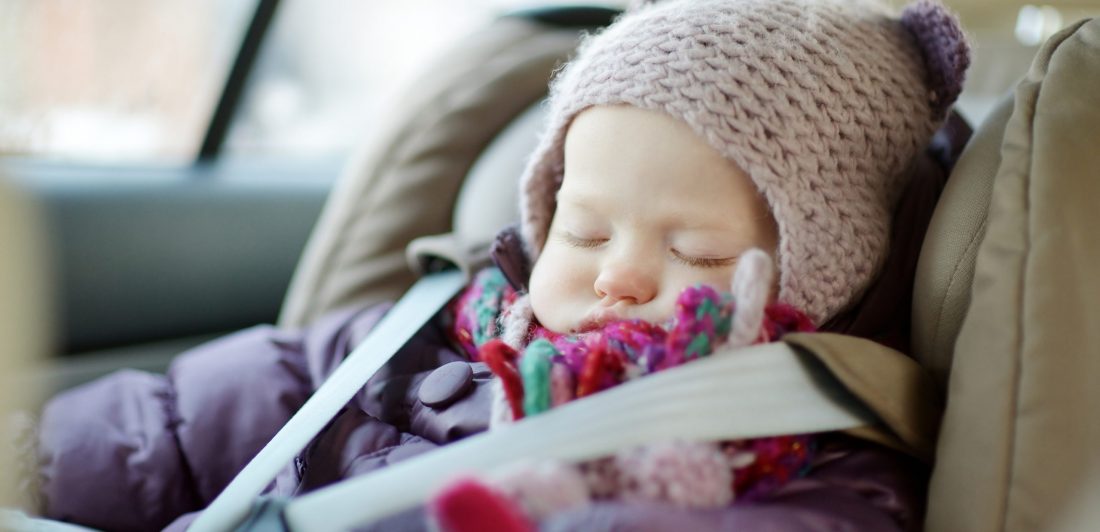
pixel 487 202
pixel 489 199
pixel 404 183
pixel 945 270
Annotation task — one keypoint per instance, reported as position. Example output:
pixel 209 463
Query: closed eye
pixel 702 262
pixel 579 242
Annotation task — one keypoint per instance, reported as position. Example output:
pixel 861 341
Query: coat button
pixel 447 384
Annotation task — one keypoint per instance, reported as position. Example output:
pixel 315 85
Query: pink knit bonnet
pixel 822 103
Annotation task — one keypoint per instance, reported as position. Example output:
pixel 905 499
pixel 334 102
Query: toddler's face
pixel 646 209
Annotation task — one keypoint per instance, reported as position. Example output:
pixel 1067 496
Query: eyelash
pixel 700 262
pixel 697 262
pixel 583 243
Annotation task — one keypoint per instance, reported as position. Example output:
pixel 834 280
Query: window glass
pixel 127 80
pixel 328 66
pixel 114 80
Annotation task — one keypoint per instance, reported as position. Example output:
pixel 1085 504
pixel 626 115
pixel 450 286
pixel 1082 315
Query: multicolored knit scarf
pixel 556 368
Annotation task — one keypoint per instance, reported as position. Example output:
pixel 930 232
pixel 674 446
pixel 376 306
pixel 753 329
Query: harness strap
pixel 421 302
pixel 759 391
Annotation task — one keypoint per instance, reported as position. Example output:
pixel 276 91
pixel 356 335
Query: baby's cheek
pixel 719 278
pixel 722 278
pixel 557 286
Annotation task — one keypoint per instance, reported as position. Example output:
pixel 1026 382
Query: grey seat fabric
pixel 487 202
pixel 489 198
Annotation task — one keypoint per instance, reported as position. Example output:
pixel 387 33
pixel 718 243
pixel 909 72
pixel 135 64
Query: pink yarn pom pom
pixel 543 487
pixel 685 474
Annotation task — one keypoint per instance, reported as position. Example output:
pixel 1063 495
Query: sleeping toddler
pixel 688 140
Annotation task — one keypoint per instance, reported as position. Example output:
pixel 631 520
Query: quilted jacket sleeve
pixel 133 450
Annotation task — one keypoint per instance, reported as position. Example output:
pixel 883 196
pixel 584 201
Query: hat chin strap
pixel 752 284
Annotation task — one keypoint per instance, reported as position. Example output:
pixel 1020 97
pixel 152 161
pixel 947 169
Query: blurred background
pixel 178 152
pixel 118 81
pixel 134 81
pixel 162 163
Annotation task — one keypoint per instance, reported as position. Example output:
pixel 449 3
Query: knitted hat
pixel 821 102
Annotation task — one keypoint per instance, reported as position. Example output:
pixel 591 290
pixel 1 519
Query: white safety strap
pixel 418 305
pixel 16 521
pixel 763 390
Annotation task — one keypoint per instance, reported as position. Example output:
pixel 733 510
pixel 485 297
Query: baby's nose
pixel 626 282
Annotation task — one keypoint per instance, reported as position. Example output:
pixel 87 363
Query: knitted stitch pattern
pixel 821 102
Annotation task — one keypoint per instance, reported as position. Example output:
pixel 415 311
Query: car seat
pixel 1004 308
pixel 1006 304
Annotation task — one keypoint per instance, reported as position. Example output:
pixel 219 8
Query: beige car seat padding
pixel 24 327
pixel 404 184
pixel 488 201
pixel 901 394
pixel 1021 429
pixel 945 271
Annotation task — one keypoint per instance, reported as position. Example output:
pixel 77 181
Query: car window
pixel 328 66
pixel 133 80
pixel 114 80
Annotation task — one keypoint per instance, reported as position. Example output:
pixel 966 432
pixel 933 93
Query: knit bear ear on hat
pixel 822 103
pixel 946 52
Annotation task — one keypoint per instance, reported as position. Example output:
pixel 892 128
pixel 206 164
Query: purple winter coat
pixel 136 451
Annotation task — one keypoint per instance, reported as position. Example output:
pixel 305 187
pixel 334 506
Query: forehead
pixel 649 163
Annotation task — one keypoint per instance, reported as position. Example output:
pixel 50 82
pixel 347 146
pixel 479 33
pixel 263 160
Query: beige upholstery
pixel 941 291
pixel 490 198
pixel 23 321
pixel 1019 443
pixel 488 201
pixel 356 253
pixel 890 384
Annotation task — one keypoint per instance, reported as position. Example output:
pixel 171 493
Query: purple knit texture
pixel 946 52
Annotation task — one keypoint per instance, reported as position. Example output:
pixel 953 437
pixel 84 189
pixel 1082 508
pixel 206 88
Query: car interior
pixel 126 263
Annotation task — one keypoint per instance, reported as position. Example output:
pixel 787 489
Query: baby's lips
pixel 596 321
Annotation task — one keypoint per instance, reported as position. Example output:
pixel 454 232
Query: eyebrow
pixel 677 222
pixel 584 201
